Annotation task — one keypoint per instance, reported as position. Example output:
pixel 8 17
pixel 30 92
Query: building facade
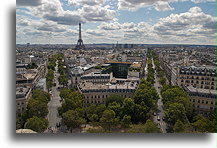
pixel 96 87
pixel 198 77
pixel 203 100
pixel 22 96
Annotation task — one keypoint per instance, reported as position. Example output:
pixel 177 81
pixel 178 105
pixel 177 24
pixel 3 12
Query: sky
pixel 109 21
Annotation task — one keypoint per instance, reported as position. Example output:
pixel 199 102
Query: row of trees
pixel 63 80
pixel 34 117
pixel 180 113
pixel 150 76
pixel 117 112
pixel 159 70
pixel 51 68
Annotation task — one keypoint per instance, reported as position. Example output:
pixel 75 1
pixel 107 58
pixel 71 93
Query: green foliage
pixel 63 80
pixel 146 93
pixel 126 121
pixel 162 81
pixel 40 95
pixel 98 67
pixel 18 124
pixel 136 128
pixel 36 124
pixel 148 127
pixel 114 98
pixel 37 108
pixel 65 93
pixel 151 127
pixel 179 127
pixel 140 114
pixel 72 102
pixel 72 119
pixel 116 107
pixel 128 107
pixel 174 112
pixel 203 124
pixel 49 78
pixel 108 120
pixel 32 66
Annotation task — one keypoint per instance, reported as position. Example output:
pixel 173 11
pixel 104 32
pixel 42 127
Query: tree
pixel 126 121
pixel 204 125
pixel 18 124
pixel 128 107
pixel 72 120
pixel 151 127
pixel 140 114
pixel 108 120
pixel 100 109
pixel 40 95
pixel 116 107
pixel 73 101
pixel 63 80
pixel 37 108
pixel 179 127
pixel 94 119
pixel 175 111
pixel 36 124
pixel 114 98
pixel 65 93
pixel 162 81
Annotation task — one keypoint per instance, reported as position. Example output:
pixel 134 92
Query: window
pixel 211 102
pixel 206 102
pixel 202 101
pixel 198 101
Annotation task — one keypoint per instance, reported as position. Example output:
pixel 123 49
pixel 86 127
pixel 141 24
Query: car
pixel 154 114
pixel 163 118
pixel 158 118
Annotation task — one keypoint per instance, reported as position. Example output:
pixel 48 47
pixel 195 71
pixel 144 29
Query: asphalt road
pixel 53 105
pixel 158 119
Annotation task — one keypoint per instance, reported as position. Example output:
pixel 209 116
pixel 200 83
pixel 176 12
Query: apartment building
pixel 198 77
pixel 203 100
pixel 22 96
pixel 96 87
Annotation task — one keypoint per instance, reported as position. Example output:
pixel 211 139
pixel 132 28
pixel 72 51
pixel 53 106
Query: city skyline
pixel 109 21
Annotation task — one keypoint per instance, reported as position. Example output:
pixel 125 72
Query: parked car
pixel 154 114
pixel 158 118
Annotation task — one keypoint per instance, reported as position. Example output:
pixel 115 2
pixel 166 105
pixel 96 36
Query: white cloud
pixel 163 6
pixel 194 23
pixel 97 13
pixel 85 2
pixel 28 2
pixel 52 10
pixel 189 27
pixel 160 5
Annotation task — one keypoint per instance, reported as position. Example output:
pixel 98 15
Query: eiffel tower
pixel 80 44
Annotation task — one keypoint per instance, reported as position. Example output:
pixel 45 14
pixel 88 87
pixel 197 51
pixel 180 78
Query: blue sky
pixel 109 21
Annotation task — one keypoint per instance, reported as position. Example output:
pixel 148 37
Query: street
pixel 158 119
pixel 53 117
